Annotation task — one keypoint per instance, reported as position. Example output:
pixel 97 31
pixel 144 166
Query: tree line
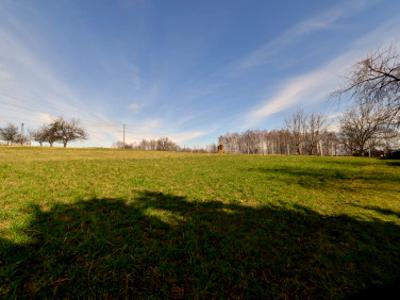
pixel 302 134
pixel 160 144
pixel 163 144
pixel 362 131
pixel 58 131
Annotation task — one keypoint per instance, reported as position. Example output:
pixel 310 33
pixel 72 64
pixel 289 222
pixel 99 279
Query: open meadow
pixel 119 223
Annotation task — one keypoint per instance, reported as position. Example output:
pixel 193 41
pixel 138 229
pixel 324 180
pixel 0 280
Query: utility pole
pixel 123 135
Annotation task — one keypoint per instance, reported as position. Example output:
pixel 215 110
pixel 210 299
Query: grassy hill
pixel 87 222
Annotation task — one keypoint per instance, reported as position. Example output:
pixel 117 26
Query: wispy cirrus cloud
pixel 315 86
pixel 324 20
pixel 190 135
pixel 31 91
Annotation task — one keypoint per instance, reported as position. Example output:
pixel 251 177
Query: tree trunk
pixel 321 148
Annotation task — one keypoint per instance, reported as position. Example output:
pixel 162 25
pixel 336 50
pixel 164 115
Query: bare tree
pixel 50 133
pixel 331 142
pixel 283 141
pixel 161 144
pixel 40 135
pixel 360 127
pixel 249 142
pixel 152 144
pixel 376 79
pixel 10 134
pixel 65 131
pixel 22 139
pixel 296 125
pixel 315 129
pixel 230 142
pixel 212 148
pixel 390 139
pixel 165 144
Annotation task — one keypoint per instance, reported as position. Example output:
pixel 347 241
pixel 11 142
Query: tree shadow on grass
pixel 165 246
pixel 349 161
pixel 393 163
pixel 325 177
pixel 382 211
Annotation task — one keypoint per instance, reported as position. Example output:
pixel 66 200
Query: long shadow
pixel 324 177
pixel 362 162
pixel 393 163
pixel 383 211
pixel 346 161
pixel 165 246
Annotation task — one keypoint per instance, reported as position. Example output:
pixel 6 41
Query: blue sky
pixel 190 70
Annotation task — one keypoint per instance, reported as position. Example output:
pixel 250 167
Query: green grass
pixel 93 222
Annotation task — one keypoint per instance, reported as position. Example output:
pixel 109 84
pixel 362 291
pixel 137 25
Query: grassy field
pixel 81 223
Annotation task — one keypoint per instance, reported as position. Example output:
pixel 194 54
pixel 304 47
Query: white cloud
pixel 316 85
pixel 319 22
pixel 186 136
